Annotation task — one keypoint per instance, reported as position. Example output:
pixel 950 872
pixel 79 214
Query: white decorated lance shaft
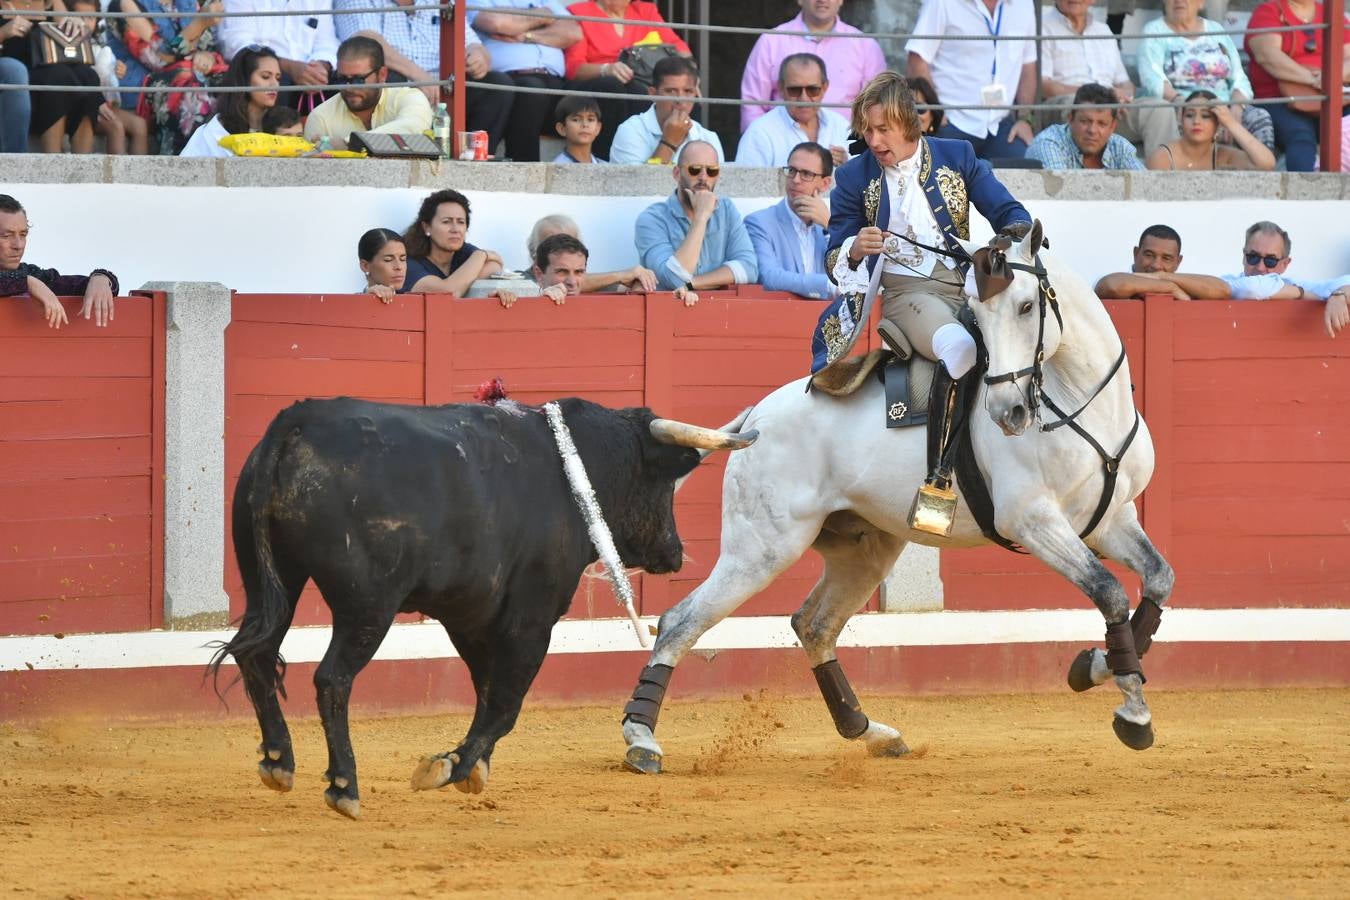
pixel 595 519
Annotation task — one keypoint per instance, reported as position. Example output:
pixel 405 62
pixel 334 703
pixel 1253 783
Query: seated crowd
pixel 1191 107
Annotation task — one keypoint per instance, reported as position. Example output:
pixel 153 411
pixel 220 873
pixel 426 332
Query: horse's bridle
pixel 1046 299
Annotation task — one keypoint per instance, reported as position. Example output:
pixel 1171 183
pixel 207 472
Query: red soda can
pixel 480 144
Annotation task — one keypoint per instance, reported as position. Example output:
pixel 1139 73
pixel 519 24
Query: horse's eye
pixel 1025 308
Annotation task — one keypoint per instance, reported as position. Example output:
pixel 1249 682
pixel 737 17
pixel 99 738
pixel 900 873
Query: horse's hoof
pixel 1136 737
pixel 893 748
pixel 1080 672
pixel 643 761
pixel 276 777
pixel 476 781
pixel 434 772
pixel 343 803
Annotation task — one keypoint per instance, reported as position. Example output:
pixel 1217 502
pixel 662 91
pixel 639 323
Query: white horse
pixel 825 475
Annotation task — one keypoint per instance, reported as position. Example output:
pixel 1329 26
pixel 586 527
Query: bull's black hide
pixel 462 513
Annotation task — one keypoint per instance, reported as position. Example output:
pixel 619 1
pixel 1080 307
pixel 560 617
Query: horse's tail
pixel 267 613
pixel 732 427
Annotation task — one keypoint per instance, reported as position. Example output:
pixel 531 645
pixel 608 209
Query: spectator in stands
pixel 1265 257
pixel 692 240
pixel 529 49
pixel 770 138
pixel 560 266
pixel 163 50
pixel 239 112
pixel 1289 64
pixel 789 237
pixel 852 61
pixel 1089 139
pixel 577 121
pixel 637 278
pixel 283 122
pixel 440 258
pixel 1171 67
pixel 1067 65
pixel 306 47
pixel 121 130
pixel 16 108
pixel 930 120
pixel 17 277
pixel 53 115
pixel 412 48
pixel 1199 149
pixel 392 110
pixel 989 73
pixel 593 62
pixel 384 262
pixel 658 134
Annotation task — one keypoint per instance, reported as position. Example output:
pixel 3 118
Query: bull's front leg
pixel 502 673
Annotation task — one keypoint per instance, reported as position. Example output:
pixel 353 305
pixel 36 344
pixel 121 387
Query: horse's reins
pixel 1046 298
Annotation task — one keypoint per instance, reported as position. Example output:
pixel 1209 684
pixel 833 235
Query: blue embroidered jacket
pixel 952 178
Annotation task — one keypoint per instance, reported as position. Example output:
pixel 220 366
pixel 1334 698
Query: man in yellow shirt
pixel 396 110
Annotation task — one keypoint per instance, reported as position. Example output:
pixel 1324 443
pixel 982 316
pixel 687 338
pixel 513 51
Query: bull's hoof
pixel 1136 737
pixel 643 760
pixel 434 772
pixel 343 801
pixel 276 777
pixel 1080 672
pixel 477 780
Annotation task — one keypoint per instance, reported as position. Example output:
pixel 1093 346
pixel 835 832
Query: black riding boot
pixel 934 506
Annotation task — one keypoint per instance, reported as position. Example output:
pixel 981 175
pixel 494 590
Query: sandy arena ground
pixel 1244 795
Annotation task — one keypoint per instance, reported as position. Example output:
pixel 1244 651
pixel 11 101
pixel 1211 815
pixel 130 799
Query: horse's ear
pixel 1031 244
pixel 969 246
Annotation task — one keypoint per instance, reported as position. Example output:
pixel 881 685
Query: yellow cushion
pixel 266 145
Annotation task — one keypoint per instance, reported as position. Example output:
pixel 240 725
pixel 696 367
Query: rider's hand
pixel 868 243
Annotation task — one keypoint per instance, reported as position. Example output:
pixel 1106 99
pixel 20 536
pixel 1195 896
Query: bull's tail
pixel 267 613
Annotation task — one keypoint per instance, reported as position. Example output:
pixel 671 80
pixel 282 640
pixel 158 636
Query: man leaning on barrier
pixel 17 277
pixel 393 110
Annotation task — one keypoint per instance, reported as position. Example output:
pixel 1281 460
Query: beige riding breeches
pixel 920 306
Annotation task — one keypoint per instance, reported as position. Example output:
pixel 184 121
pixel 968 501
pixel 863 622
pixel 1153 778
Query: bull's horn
pixel 682 434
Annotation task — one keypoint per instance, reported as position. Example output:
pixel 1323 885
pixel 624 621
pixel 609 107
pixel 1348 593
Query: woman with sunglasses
pixel 1198 149
pixel 1289 63
pixel 930 120
pixel 239 112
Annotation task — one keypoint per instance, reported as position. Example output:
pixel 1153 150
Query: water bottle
pixel 440 129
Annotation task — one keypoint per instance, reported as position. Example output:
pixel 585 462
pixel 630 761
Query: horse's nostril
pixel 1017 416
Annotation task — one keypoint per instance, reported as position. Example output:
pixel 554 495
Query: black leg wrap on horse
pixel 1143 624
pixel 1121 657
pixel 645 707
pixel 847 713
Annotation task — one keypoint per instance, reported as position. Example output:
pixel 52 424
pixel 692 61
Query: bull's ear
pixel 1031 244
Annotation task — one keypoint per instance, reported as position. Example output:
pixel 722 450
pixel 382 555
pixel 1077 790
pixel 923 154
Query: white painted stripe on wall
pixel 427 640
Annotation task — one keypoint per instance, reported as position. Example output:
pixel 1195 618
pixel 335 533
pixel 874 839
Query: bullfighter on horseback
pixel 893 205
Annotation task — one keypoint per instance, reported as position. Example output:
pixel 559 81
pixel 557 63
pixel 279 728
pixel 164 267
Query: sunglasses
pixel 339 79
pixel 1310 42
pixel 790 173
pixel 1252 258
pixel 697 170
pixel 797 91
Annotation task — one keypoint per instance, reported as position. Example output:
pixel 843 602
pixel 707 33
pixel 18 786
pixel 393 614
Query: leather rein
pixel 1035 393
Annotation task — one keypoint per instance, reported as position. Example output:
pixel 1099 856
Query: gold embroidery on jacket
pixel 831 258
pixel 953 188
pixel 872 200
pixel 925 161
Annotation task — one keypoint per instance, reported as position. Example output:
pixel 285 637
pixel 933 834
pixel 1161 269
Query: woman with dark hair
pixel 440 258
pixel 239 112
pixel 1198 149
pixel 930 120
pixel 54 114
pixel 384 262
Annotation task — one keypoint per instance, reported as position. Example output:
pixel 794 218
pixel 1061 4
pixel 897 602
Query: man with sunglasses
pixel 789 237
pixel 395 110
pixel 770 138
pixel 692 240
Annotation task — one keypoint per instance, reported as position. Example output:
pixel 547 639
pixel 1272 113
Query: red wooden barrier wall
pixel 81 460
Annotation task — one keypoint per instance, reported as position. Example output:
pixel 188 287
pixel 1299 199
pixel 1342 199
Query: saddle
pixel 908 377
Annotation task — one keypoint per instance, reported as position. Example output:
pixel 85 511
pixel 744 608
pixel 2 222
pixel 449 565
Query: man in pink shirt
pixel 851 62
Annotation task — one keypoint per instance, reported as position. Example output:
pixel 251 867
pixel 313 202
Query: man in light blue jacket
pixel 694 240
pixel 789 237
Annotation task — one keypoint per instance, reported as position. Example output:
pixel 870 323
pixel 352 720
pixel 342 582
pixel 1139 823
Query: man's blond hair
pixel 892 93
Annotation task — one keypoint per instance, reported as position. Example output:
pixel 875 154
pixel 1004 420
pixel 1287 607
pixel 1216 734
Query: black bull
pixel 462 513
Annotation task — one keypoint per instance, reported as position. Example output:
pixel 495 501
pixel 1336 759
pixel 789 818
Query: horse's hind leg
pixel 749 562
pixel 1123 540
pixel 1043 530
pixel 856 559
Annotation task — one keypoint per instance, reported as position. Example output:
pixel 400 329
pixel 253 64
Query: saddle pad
pixel 908 384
